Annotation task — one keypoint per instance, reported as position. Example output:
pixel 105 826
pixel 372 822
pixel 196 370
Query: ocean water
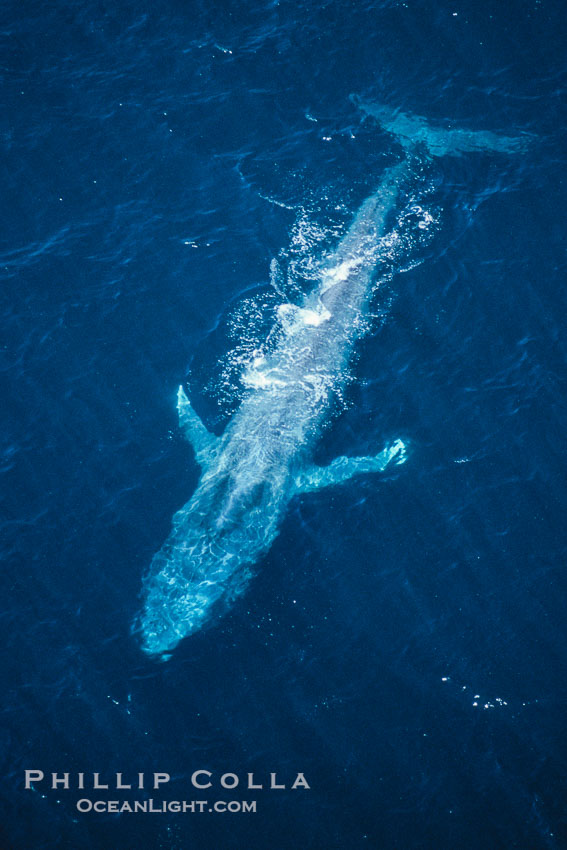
pixel 403 643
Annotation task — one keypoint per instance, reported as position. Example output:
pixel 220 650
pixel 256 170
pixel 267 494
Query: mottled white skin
pixel 250 473
pixel 264 457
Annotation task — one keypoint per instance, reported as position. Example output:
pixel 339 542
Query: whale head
pixel 205 564
pixel 184 589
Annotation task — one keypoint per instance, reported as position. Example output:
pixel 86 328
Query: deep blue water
pixel 404 641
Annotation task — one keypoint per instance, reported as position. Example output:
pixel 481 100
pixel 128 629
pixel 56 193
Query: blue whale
pixel 264 457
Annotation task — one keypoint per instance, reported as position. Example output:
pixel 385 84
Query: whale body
pixel 264 457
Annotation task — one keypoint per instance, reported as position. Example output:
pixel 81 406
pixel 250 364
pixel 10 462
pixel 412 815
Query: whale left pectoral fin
pixel 204 443
pixel 344 468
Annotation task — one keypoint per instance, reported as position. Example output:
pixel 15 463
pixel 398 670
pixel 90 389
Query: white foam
pixel 261 379
pixel 293 318
pixel 338 274
pixel 315 317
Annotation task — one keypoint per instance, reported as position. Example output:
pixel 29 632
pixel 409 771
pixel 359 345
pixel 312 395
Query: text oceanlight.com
pixel 165 806
pixel 200 780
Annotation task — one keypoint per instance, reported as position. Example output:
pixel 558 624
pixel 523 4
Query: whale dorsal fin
pixel 204 443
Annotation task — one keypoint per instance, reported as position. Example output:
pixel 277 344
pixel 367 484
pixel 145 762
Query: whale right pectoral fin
pixel 344 468
pixel 204 443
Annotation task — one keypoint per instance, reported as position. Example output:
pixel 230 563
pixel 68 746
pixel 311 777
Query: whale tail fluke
pixel 414 132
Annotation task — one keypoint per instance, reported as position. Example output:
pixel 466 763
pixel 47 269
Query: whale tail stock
pixel 414 132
